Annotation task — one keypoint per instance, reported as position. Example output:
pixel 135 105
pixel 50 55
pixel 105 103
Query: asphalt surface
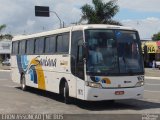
pixel 14 100
pixel 152 72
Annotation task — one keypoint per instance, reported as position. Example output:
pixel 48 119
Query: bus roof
pixel 67 29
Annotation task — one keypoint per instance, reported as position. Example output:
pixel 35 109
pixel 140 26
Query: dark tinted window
pixel 39 45
pixel 63 43
pixel 22 47
pixel 80 51
pixel 50 43
pixel 15 46
pixel 30 46
pixel 66 42
pixel 76 36
pixel 59 44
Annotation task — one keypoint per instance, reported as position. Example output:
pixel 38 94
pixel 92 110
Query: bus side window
pixel 39 45
pixel 15 46
pixel 22 47
pixel 63 43
pixel 59 44
pixel 30 47
pixel 50 43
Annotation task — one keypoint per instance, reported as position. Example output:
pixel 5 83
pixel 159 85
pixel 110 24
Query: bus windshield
pixel 113 52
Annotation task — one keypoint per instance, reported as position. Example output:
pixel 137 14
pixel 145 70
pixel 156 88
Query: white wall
pixel 5 47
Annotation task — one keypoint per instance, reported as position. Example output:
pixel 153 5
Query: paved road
pixel 5 74
pixel 154 72
pixel 152 89
pixel 13 100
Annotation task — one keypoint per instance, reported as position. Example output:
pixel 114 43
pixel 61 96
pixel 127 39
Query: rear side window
pixel 59 44
pixel 66 42
pixel 15 46
pixel 22 47
pixel 30 46
pixel 50 44
pixel 63 43
pixel 39 45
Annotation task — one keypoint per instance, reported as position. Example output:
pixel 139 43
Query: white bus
pixel 87 62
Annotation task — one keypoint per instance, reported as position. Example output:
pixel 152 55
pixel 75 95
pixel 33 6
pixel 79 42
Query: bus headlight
pixel 94 85
pixel 139 83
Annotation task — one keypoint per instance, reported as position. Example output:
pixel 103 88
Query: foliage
pixel 100 12
pixel 4 36
pixel 156 37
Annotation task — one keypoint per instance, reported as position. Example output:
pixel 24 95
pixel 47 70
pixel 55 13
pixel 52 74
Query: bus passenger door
pixel 80 72
pixel 77 64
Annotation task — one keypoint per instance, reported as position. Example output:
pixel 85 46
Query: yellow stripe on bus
pixel 40 74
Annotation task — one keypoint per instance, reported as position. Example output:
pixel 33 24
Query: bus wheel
pixel 23 83
pixel 66 93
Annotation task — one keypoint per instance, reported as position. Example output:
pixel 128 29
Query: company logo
pixel 48 62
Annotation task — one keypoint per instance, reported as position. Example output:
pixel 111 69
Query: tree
pixel 156 37
pixel 4 36
pixel 100 12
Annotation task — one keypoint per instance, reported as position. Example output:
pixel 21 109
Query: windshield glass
pixel 113 52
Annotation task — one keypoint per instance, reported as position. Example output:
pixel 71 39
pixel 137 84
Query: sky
pixel 19 15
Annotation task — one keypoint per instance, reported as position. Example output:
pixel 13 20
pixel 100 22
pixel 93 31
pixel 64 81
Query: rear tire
pixel 23 83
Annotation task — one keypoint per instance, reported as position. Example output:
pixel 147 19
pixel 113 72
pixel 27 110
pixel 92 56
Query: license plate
pixel 119 92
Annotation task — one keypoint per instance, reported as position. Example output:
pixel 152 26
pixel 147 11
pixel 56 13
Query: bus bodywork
pixel 120 76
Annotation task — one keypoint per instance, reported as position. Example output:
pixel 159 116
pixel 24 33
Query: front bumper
pixel 99 94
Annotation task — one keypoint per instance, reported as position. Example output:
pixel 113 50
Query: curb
pixel 8 70
pixel 150 77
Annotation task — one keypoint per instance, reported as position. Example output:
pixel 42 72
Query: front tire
pixel 23 83
pixel 66 93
